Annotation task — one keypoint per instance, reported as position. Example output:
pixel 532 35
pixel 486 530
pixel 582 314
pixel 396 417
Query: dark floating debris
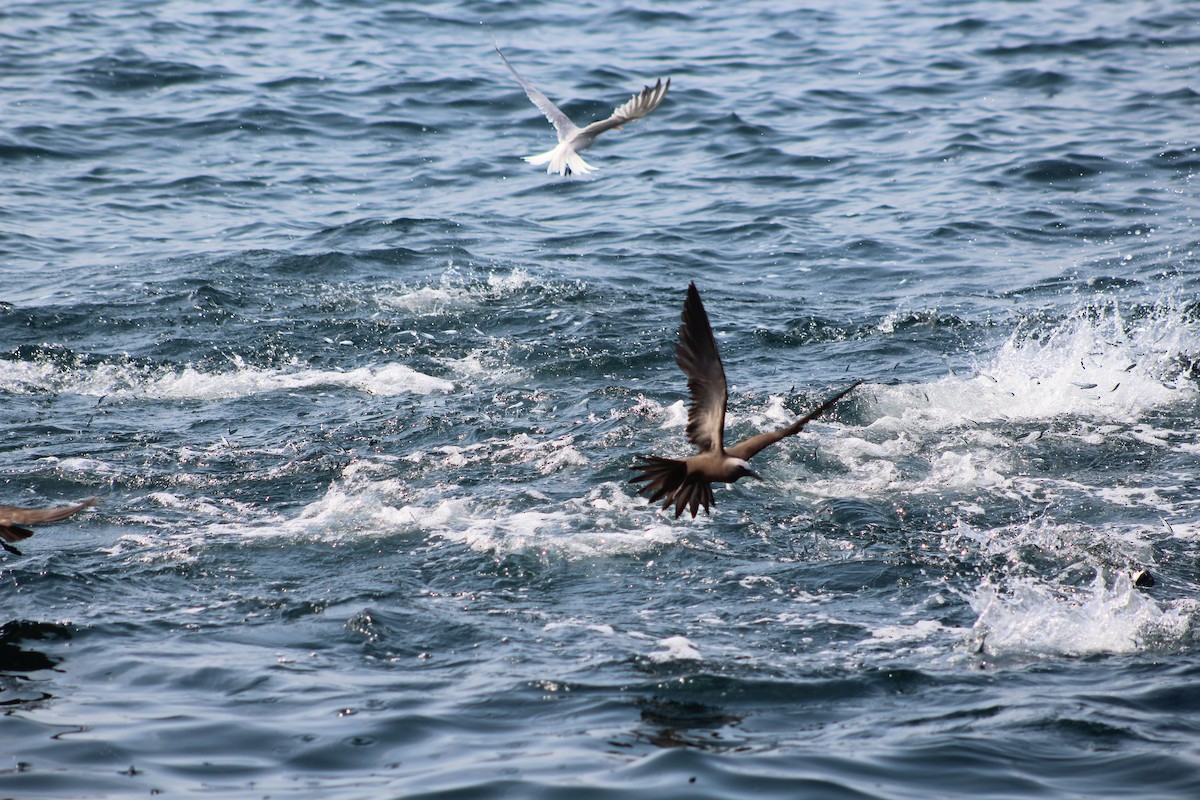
pixel 1143 579
pixel 14 657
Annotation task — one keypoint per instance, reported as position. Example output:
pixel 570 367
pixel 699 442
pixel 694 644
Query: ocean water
pixel 359 391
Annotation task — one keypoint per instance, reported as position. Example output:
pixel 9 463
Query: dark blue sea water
pixel 359 391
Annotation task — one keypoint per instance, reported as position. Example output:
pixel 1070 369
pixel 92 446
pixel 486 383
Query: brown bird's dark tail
pixel 662 476
pixel 668 478
pixel 14 533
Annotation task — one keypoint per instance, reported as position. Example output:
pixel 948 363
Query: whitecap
pixel 124 381
pixel 917 631
pixel 454 293
pixel 1110 616
pixel 675 648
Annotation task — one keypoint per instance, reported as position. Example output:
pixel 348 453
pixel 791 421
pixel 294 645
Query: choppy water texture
pixel 360 389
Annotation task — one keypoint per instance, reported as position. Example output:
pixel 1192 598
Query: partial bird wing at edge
pixel 561 122
pixel 12 517
pixel 696 354
pixel 747 448
pixel 632 109
pixel 33 516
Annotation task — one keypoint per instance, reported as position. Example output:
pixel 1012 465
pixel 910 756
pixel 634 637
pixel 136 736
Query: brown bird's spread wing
pixel 697 356
pixel 632 109
pixel 749 447
pixel 11 517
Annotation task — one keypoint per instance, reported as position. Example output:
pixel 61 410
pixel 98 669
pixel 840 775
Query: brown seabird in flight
pixel 572 140
pixel 13 517
pixel 688 483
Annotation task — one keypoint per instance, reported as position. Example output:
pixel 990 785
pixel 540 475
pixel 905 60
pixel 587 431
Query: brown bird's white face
pixel 742 470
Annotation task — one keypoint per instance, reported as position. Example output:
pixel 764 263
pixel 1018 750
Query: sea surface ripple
pixel 359 391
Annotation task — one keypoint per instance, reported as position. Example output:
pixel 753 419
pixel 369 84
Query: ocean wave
pixel 129 69
pixel 1031 618
pixel 127 382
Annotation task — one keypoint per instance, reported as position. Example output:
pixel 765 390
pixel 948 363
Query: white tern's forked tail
pixel 564 159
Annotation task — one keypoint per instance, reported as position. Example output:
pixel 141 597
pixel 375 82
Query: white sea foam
pixel 1065 542
pixel 485 365
pixel 574 623
pixel 425 300
pixel 25 377
pixel 367 501
pixel 223 509
pixel 122 381
pixel 559 533
pixel 675 415
pixel 546 454
pixel 675 648
pixel 1091 379
pixel 90 468
pixel 454 293
pixel 1140 496
pixel 917 631
pixel 1110 616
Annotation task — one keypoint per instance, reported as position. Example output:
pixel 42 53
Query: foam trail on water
pixel 675 648
pixel 123 381
pixel 366 501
